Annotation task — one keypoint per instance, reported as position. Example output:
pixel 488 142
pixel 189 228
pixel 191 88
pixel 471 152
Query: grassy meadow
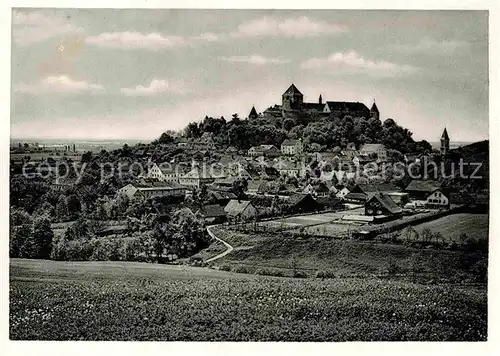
pixel 132 301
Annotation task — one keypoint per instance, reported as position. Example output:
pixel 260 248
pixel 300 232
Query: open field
pixel 131 301
pixel 451 226
pixel 332 225
pixel 350 257
pixel 311 219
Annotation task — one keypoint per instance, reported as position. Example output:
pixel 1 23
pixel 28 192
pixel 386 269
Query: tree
pixel 78 230
pixel 427 235
pixel 126 151
pixel 120 205
pixel 86 157
pixel 74 206
pixel 192 130
pixel 42 238
pixel 165 138
pixel 62 208
pixel 288 124
pixel 239 187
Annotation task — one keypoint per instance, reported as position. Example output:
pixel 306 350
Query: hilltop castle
pixel 293 105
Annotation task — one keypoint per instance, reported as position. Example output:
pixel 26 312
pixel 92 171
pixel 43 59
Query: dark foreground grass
pixel 352 257
pixel 49 302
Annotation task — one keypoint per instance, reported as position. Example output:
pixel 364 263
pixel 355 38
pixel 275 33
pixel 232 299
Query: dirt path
pixel 228 246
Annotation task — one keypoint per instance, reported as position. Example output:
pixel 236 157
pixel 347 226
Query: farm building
pixel 319 189
pixel 342 192
pixel 382 204
pixel 377 149
pixel 438 200
pixel 399 198
pixel 330 203
pixel 375 187
pixel 212 214
pixel 421 189
pixel 240 209
pixel 357 198
pixel 167 172
pixel 302 203
pixel 292 147
pixel 171 189
pixel 220 196
pixel 196 177
pixel 256 186
pixel 264 150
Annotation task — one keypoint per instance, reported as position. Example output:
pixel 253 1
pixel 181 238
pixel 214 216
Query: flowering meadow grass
pixel 132 301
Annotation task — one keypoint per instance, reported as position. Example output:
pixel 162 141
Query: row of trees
pixel 318 132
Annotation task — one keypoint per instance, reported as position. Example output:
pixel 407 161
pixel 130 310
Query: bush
pixel 299 274
pixel 325 274
pixel 480 271
pixel 270 272
pixel 226 268
pixel 241 269
pixel 392 268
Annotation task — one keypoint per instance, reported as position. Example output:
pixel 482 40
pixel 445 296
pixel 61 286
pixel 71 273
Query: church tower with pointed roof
pixel 445 143
pixel 374 111
pixel 253 113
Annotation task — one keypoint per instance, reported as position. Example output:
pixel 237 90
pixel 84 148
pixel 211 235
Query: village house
pixel 437 200
pixel 220 196
pixel 302 203
pixel 212 214
pixel 288 168
pixel 342 191
pixel 167 172
pixel 61 184
pixel 140 191
pixel 256 187
pixel 381 204
pixel 377 149
pixel 196 177
pixel 264 150
pixel 240 210
pixel 318 189
pixel 421 189
pixel 292 147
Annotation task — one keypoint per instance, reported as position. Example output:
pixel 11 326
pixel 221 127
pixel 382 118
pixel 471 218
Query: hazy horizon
pixel 103 74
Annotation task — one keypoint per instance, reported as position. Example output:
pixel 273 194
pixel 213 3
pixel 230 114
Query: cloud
pixel 129 40
pixel 431 46
pixel 266 26
pixel 352 62
pixel 254 59
pixel 58 84
pixel 209 37
pixel 292 27
pixel 156 87
pixel 35 26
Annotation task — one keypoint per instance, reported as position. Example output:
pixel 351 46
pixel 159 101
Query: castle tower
pixel 253 113
pixel 292 98
pixel 320 101
pixel 445 143
pixel 374 111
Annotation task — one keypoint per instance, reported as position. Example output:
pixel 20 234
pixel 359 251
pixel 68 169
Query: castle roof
pixel 293 90
pixel 346 106
pixel 445 136
pixel 311 106
pixel 374 107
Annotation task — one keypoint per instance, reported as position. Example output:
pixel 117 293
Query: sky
pixel 132 74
